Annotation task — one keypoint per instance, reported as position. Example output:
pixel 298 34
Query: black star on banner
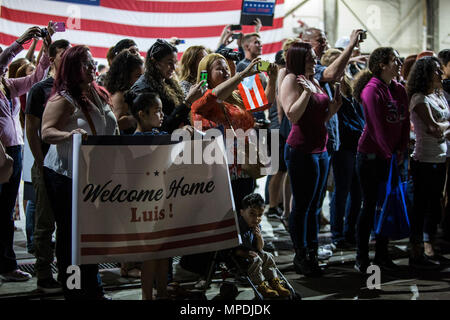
pixel 156 173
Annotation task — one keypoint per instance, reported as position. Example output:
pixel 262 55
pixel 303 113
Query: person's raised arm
pixel 295 96
pixel 271 87
pixel 56 115
pixel 335 70
pixel 226 88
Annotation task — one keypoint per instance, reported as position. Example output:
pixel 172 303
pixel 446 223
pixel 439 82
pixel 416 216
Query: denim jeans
pixel 429 181
pixel 346 201
pixel 59 189
pixel 372 171
pixel 8 195
pixel 307 173
pixel 29 224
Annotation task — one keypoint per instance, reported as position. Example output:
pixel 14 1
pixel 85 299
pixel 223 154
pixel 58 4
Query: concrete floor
pixel 339 282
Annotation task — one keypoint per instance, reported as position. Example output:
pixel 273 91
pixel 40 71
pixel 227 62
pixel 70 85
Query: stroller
pixel 228 266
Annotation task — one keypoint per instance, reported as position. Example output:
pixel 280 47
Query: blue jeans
pixel 307 173
pixel 29 224
pixel 59 189
pixel 346 200
pixel 372 171
pixel 8 195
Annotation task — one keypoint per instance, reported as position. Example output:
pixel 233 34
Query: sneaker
pixel 274 213
pixel 49 285
pixel 16 275
pixel 423 263
pixel 276 285
pixel 324 254
pixel 330 246
pixel 361 265
pixel 266 291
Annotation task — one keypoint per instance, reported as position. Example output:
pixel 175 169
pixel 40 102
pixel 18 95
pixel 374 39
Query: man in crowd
pixel 44 219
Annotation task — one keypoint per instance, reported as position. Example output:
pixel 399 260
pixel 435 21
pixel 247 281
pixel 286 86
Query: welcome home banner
pixel 132 202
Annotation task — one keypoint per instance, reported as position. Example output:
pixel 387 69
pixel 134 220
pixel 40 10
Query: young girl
pixel 147 109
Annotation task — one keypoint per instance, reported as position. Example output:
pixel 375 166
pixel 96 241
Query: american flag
pixel 100 24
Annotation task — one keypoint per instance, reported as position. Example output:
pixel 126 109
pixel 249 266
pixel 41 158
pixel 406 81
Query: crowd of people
pixel 342 117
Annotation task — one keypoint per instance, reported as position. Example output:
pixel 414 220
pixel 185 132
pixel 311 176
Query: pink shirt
pixel 10 129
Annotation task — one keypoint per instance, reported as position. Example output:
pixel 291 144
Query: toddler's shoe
pixel 266 291
pixel 276 285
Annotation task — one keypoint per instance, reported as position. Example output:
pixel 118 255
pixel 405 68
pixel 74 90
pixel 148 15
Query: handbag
pixel 391 218
pixel 252 169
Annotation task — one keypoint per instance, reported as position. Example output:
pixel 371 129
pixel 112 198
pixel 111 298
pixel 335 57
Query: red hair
pixel 69 77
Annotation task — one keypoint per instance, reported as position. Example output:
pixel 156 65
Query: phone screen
pixel 263 65
pixel 59 26
pixel 235 27
pixel 204 76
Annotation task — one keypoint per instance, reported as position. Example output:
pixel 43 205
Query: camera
pixel 228 53
pixel 44 33
pixel 363 36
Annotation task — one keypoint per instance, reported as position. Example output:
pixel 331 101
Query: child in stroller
pixel 260 264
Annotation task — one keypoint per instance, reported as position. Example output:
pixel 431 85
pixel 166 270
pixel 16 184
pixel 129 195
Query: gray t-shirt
pixel 428 148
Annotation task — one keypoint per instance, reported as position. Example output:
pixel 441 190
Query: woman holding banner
pixel 77 106
pixel 222 106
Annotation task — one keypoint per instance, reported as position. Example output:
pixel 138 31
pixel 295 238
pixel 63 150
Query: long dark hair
pixel 169 90
pixel 119 74
pixel 296 58
pixel 420 78
pixel 70 76
pixel 379 56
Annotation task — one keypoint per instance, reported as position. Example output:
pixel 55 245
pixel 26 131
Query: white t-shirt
pixel 429 148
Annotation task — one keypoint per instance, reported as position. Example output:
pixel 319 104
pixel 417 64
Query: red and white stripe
pixel 197 22
pixel 253 95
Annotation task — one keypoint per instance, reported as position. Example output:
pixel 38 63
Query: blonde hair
pixel 188 72
pixel 329 56
pixel 205 64
pixel 287 44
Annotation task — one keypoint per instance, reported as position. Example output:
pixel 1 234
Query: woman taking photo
pixel 189 66
pixel 159 78
pixel 430 115
pixel 11 137
pixel 385 133
pixel 222 105
pixel 125 69
pixel 308 108
pixel 77 106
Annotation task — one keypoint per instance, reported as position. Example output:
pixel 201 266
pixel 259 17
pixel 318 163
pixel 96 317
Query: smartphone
pixel 204 76
pixel 363 36
pixel 179 41
pixel 59 26
pixel 236 36
pixel 337 89
pixel 263 65
pixel 235 27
